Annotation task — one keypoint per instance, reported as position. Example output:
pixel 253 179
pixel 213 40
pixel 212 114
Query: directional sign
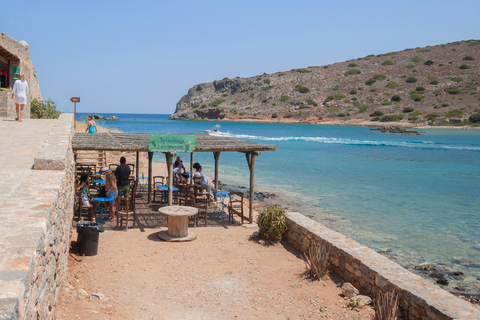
pixel 75 99
pixel 171 142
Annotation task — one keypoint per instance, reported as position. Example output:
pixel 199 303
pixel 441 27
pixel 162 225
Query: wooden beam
pixel 137 160
pixel 150 157
pixel 251 165
pixel 216 155
pixel 169 157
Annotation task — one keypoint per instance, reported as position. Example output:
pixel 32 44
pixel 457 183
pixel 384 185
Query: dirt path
pixel 223 274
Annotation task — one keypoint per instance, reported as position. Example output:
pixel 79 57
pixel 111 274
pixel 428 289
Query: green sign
pixel 171 142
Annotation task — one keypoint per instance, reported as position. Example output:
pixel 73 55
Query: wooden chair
pixel 202 199
pixel 113 166
pixel 123 212
pixel 156 180
pixel 235 205
pixel 133 191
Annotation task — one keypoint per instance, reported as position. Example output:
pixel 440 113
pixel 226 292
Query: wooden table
pixel 178 223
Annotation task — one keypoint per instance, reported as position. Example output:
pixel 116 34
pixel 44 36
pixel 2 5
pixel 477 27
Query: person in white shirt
pixel 199 175
pixel 19 92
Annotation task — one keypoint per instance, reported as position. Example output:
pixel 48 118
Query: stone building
pixel 15 59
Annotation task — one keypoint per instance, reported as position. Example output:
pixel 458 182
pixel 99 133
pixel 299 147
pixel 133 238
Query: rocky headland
pixel 434 85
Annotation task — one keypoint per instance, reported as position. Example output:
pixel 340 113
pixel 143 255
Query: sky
pixel 143 56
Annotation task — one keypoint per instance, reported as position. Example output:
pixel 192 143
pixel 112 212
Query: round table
pixel 178 223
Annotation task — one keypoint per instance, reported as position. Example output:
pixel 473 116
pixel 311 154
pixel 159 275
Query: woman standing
pixel 111 189
pixel 91 125
pixel 20 91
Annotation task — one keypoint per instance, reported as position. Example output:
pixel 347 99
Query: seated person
pixel 179 164
pixel 84 190
pixel 198 175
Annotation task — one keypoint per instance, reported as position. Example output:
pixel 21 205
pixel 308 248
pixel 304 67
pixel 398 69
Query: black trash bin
pixel 87 240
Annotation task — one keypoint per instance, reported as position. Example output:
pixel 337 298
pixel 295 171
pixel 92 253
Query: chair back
pixel 121 204
pixel 113 166
pixel 158 180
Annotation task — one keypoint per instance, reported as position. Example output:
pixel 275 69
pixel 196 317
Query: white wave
pixel 358 142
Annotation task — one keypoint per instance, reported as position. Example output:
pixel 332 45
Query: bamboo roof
pixel 139 142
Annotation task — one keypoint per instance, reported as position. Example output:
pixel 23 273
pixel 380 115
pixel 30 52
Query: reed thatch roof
pixel 139 142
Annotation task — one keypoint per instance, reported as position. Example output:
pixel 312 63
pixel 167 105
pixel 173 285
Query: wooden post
pixel 137 165
pixel 216 155
pixel 251 165
pixel 191 162
pixel 169 157
pixel 150 157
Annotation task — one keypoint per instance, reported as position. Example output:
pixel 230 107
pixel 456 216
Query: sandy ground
pixel 224 274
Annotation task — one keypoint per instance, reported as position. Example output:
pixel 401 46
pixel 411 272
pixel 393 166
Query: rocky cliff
pixel 436 84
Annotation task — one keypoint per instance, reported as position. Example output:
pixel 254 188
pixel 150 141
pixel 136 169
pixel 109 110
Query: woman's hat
pixel 104 169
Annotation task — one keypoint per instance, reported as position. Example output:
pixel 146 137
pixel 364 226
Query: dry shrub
pixel 386 306
pixel 317 260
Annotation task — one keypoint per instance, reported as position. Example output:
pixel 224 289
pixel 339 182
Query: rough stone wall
pixel 22 51
pixel 371 272
pixel 36 224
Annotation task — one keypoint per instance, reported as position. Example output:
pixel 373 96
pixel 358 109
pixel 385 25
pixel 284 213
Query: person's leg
pixel 22 106
pixel 18 110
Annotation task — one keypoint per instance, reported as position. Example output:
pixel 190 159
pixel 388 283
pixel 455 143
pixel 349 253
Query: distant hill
pixel 437 85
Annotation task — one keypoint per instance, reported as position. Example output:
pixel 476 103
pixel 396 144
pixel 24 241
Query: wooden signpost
pixel 75 100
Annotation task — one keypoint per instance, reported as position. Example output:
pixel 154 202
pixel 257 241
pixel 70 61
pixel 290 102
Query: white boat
pixel 215 131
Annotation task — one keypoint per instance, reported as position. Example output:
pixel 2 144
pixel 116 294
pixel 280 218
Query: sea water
pixel 414 198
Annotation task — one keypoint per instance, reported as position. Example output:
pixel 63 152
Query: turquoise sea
pixel 413 198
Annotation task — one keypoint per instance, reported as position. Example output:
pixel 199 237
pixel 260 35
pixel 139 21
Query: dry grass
pixel 82 127
pixel 386 306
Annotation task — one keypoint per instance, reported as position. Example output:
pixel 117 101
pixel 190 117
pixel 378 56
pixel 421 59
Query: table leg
pixel 177 226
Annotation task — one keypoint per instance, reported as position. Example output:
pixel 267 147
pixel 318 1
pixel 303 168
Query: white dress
pixel 20 91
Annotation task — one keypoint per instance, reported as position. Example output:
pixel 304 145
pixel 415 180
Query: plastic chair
pixel 123 212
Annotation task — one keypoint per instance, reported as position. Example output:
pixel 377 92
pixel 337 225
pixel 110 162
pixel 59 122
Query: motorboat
pixel 215 131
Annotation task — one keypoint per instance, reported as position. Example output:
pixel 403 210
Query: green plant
pixel 195 106
pixel 411 80
pixel 44 109
pixel 475 118
pixel 411 66
pixel 416 96
pixel 420 89
pixel 455 113
pixel 428 62
pixel 317 260
pixel 388 63
pixel 274 115
pixel 328 99
pixel 311 102
pixel 386 103
pixel 284 98
pixel 376 114
pixel 353 302
pixel 392 85
pixel 336 88
pixel 416 59
pixel 468 58
pixel 234 111
pixel 338 96
pixel 353 65
pixel 369 82
pixel 352 71
pixel 267 88
pixel 353 91
pixel 424 50
pixel 379 77
pixel 408 110
pixel 391 117
pixel 432 116
pixel 203 106
pixel 386 306
pixel 266 81
pixel 434 82
pixel 452 90
pixel 363 108
pixel 217 102
pixel 456 79
pixel 396 98
pixel 301 89
pixel 464 66
pixel 302 70
pixel 288 115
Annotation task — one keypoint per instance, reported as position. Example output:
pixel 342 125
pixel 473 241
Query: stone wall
pixel 371 272
pixel 35 226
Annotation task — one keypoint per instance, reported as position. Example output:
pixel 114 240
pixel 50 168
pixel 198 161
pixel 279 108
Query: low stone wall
pixel 35 232
pixel 371 272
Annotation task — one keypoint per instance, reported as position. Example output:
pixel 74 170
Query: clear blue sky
pixel 143 56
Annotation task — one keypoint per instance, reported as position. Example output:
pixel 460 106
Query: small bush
pixel 274 115
pixel 436 92
pixel 392 85
pixel 363 108
pixel 434 82
pixel 301 89
pixel 468 58
pixel 424 50
pixel 417 96
pixel 203 106
pixel 456 79
pixel 416 59
pixel 376 114
pixel 217 102
pixel 284 98
pixel 266 81
pixel 336 88
pixel 452 90
pixel 352 65
pixel 391 117
pixel 310 102
pixel 317 260
pixel 428 62
pixel 44 109
pixel 396 98
pixel 388 63
pixel 464 66
pixel 302 70
pixel 411 66
pixel 408 110
pixel 289 115
pixel 353 91
pixel 432 78
pixel 455 113
pixel 474 118
pixel 339 96
pixel 386 306
pixel 234 111
pixel 379 77
pixel 352 71
pixel 386 103
pixel 369 82
pixel 195 106
pixel 411 80
pixel 432 116
pixel 328 99
pixel 420 89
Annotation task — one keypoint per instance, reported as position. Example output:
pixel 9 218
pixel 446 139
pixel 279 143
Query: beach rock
pixel 348 290
pixel 111 118
pixel 96 116
pixel 437 275
pixel 424 266
pixel 364 300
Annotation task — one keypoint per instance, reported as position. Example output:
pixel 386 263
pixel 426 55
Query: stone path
pixel 19 144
